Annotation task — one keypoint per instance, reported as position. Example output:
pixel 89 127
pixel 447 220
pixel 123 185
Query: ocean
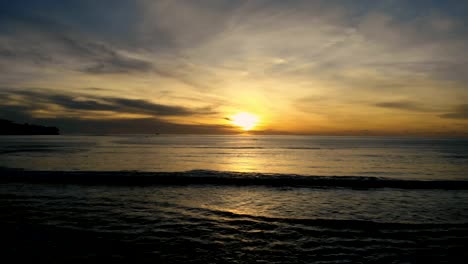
pixel 233 199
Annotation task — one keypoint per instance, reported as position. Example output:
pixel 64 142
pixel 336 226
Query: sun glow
pixel 246 121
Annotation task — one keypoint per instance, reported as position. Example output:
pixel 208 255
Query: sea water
pixel 403 158
pixel 234 199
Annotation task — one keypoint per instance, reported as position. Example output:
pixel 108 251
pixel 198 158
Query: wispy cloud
pixel 460 112
pixel 45 100
pixel 47 43
pixel 353 57
pixel 132 126
pixel 405 105
pixel 81 113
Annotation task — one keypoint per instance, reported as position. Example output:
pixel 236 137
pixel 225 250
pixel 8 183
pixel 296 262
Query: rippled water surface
pixel 233 199
pixel 408 158
pixel 210 224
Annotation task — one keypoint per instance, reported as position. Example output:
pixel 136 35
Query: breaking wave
pixel 209 177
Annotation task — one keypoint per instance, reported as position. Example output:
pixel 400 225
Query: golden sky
pixel 301 67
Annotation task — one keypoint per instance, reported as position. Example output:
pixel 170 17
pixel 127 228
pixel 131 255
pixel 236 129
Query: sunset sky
pixel 300 67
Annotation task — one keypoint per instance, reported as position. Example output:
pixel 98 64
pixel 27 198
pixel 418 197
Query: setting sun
pixel 244 120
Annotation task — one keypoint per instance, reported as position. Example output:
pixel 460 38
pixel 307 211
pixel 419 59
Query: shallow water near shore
pixel 213 224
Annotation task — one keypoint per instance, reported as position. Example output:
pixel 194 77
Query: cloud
pixel 201 36
pixel 79 113
pixel 460 112
pixel 44 100
pixel 16 112
pixel 103 58
pixel 118 65
pixel 131 126
pixel 158 109
pixel 40 41
pixel 346 57
pixel 404 105
pixel 64 48
pixel 115 125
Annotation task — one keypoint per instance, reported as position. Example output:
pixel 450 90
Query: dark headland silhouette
pixel 8 127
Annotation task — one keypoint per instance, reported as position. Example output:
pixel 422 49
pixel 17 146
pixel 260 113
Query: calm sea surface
pixel 403 158
pixel 371 215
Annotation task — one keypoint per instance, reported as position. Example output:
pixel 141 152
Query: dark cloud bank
pixel 20 105
pixel 460 112
pixel 404 105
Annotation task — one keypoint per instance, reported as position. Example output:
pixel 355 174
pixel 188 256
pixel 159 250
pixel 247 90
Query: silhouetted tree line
pixel 8 127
